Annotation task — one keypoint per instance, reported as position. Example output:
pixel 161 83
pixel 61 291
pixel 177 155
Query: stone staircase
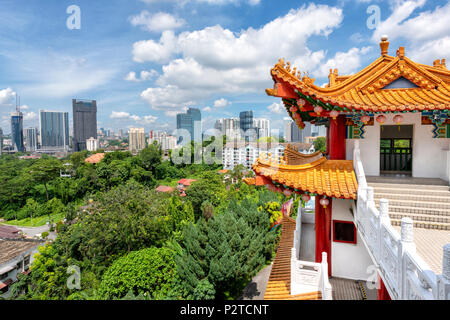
pixel 427 205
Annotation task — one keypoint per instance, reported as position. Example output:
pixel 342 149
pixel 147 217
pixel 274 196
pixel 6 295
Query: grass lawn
pixel 37 222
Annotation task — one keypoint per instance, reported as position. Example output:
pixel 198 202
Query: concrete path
pixel 33 231
pixel 257 287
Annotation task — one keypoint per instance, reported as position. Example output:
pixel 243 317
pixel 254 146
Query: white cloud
pixel 121 115
pixel 346 62
pixel 145 75
pixel 28 116
pixel 149 50
pixel 211 2
pixel 207 109
pixel 216 60
pixel 221 103
pixel 277 108
pixel 426 34
pixel 6 97
pixel 157 22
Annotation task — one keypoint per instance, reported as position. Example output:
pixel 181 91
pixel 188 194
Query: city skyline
pixel 159 67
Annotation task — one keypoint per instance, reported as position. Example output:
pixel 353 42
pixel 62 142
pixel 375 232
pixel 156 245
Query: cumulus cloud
pixel 28 116
pixel 347 62
pixel 427 35
pixel 157 22
pixel 207 109
pixel 216 60
pixel 6 97
pixel 145 75
pixel 277 108
pixel 221 103
pixel 121 115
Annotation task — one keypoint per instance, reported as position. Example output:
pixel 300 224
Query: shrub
pixel 44 235
pixel 150 270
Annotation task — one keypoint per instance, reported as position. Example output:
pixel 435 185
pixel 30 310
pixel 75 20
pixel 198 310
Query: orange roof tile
pixel 364 91
pixel 279 284
pixel 95 158
pixel 164 189
pixel 333 178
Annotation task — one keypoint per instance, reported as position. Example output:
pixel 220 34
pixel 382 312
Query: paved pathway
pixel 32 231
pixel 257 287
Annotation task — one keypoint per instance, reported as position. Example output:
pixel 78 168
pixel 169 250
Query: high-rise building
pixel 1 141
pixel 92 144
pixel 54 129
pixel 17 131
pixel 287 129
pixel 262 127
pixel 120 134
pixel 30 135
pixel 247 126
pixel 136 139
pixel 192 122
pixel 166 141
pixel 84 122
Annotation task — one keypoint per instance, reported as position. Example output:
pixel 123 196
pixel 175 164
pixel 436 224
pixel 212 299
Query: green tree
pixel 150 270
pixel 320 144
pixel 44 171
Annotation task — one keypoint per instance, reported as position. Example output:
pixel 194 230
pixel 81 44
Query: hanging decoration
pixel 318 109
pixel 306 197
pixel 287 192
pixel 381 119
pixel 398 119
pixel 324 202
pixel 334 114
pixel 365 119
pixel 301 102
pixel 293 109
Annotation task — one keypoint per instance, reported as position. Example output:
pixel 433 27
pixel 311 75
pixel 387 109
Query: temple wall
pixel 349 261
pixel 430 158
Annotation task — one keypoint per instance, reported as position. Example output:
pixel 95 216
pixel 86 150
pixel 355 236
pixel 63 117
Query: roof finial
pixel 384 45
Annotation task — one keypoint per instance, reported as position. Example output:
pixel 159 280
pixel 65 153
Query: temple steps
pixel 427 205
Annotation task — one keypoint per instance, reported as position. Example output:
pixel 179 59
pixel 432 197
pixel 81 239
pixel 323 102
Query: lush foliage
pixel 320 144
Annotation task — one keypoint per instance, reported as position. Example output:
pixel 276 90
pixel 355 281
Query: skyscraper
pixel 192 122
pixel 17 131
pixel 84 122
pixel 262 127
pixel 246 124
pixel 54 128
pixel 30 135
pixel 136 139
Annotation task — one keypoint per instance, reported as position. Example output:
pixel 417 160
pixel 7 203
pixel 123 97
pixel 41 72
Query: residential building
pixel 229 127
pixel 191 121
pixel 262 127
pixel 165 140
pixel 92 144
pixel 84 122
pixel 16 256
pixel 136 139
pixel 246 153
pixel 17 131
pixel 30 135
pixel 54 130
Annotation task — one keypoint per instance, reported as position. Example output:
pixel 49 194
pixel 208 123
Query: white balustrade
pixel 404 272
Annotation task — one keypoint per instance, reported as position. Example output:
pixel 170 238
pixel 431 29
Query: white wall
pixel 429 154
pixel 349 261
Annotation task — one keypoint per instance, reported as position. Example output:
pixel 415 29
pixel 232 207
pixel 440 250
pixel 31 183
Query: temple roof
pixel 369 90
pixel 333 178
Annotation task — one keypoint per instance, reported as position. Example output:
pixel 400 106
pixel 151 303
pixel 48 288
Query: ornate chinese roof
pixel 389 84
pixel 315 175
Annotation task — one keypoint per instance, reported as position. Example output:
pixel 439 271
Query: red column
pixel 336 139
pixel 383 294
pixel 323 231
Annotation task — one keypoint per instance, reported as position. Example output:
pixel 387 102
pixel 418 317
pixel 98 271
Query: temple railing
pixel 404 273
pixel 308 276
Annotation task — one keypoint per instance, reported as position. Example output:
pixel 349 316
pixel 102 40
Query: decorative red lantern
pixel 334 114
pixel 318 109
pixel 398 119
pixel 297 116
pixel 287 192
pixel 293 109
pixel 306 197
pixel 324 202
pixel 365 119
pixel 301 102
pixel 381 119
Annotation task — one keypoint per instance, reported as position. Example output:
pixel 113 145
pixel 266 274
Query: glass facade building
pixel 17 131
pixel 247 126
pixel 192 122
pixel 30 135
pixel 54 127
pixel 84 122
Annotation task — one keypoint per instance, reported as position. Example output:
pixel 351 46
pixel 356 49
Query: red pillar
pixel 336 138
pixel 383 294
pixel 323 231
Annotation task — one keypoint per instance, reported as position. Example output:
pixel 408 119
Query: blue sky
pixel 145 60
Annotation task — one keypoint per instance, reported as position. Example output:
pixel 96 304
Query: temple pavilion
pixel 396 113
